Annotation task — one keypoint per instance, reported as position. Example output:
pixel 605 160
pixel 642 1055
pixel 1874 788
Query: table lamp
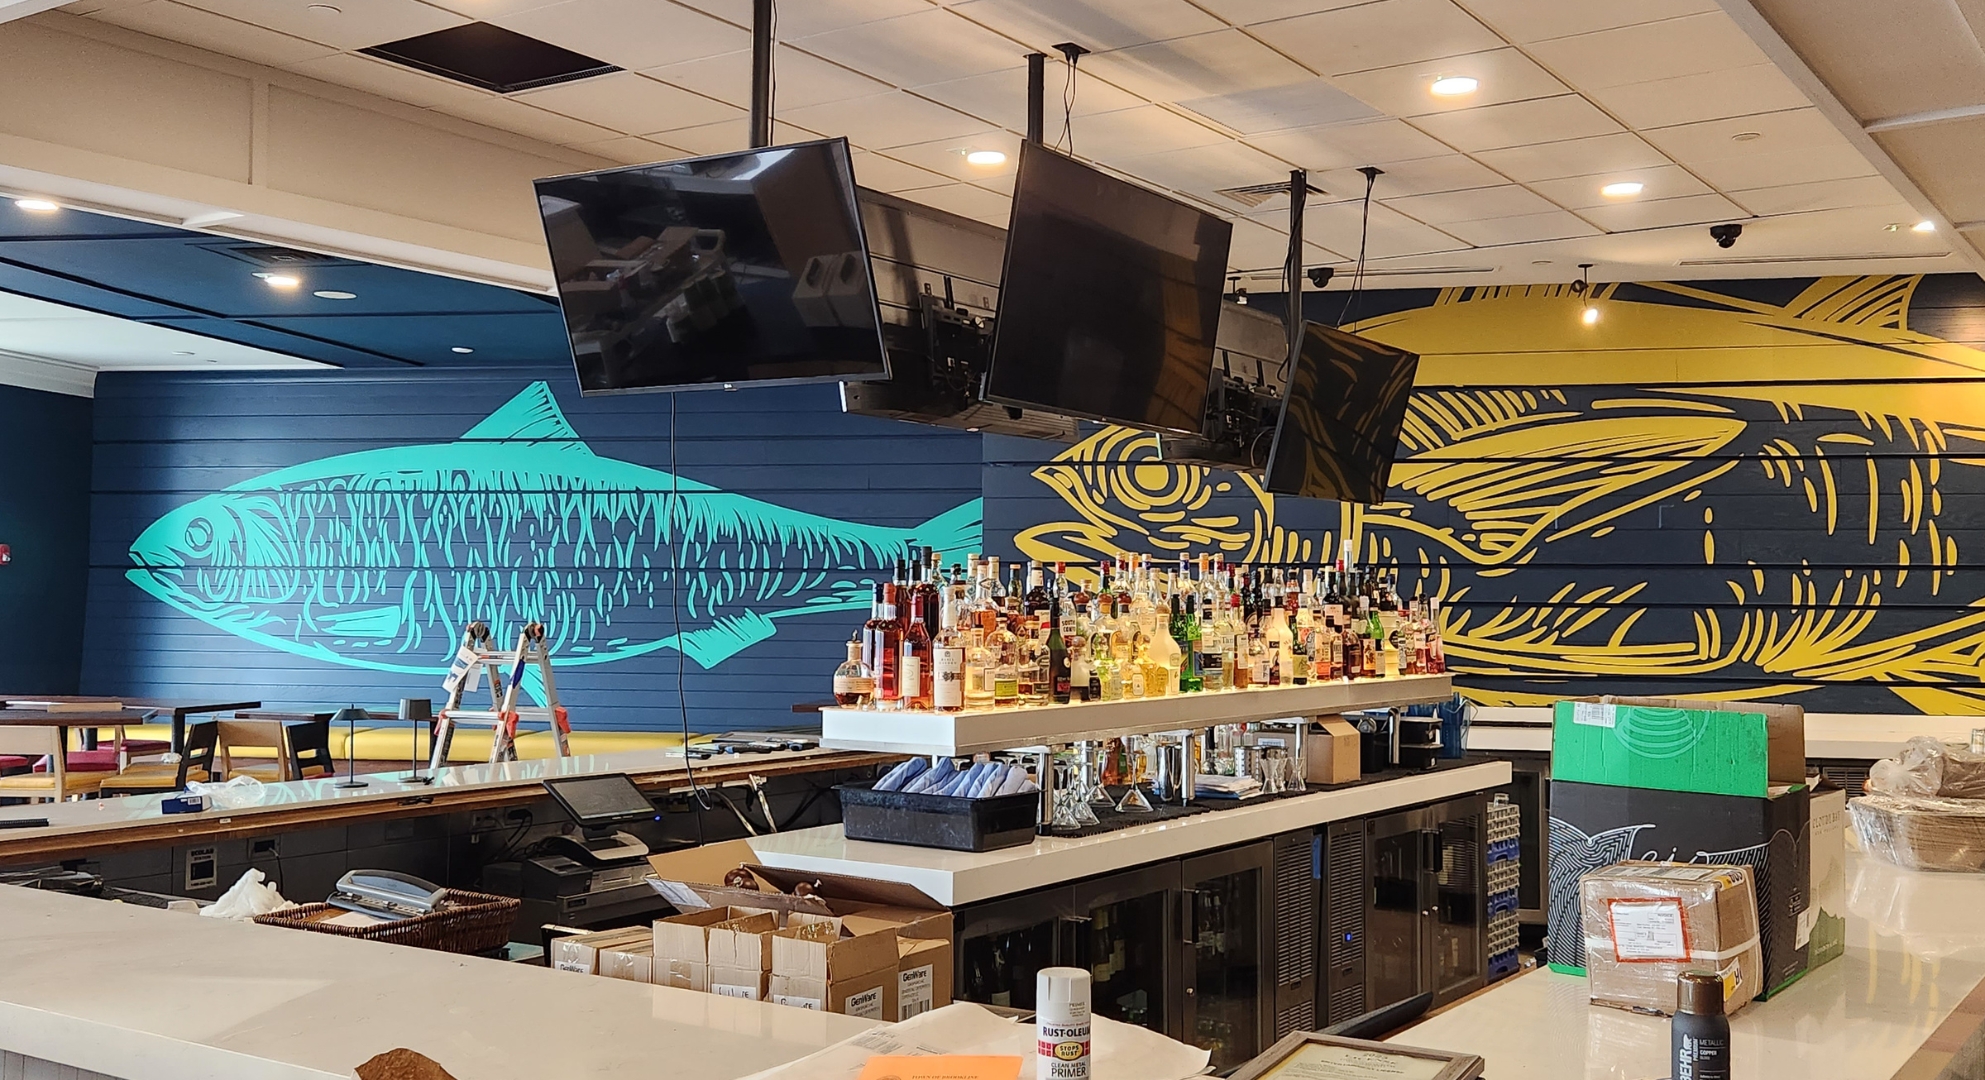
pixel 350 714
pixel 415 710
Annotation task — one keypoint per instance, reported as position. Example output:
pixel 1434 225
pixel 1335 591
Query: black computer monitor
pixel 597 802
pixel 710 272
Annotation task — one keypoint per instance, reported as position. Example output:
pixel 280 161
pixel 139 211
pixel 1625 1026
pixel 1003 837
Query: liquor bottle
pixel 1136 668
pixel 932 591
pixel 1281 640
pixel 1037 599
pixel 1165 656
pixel 1061 677
pixel 1436 652
pixel 948 661
pixel 1214 642
pixel 885 645
pixel 853 686
pixel 1353 663
pixel 1192 678
pixel 1006 673
pixel 1026 664
pixel 1374 651
pixel 1106 677
pixel 914 674
pixel 1240 670
pixel 980 662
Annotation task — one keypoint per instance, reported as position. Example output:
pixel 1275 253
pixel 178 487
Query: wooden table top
pixel 106 718
pixel 178 708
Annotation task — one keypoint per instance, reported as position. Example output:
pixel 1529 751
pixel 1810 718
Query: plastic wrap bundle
pixel 1921 833
pixel 1926 768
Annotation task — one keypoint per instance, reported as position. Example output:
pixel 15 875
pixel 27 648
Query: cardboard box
pixel 580 952
pixel 1648 922
pixel 744 943
pixel 747 983
pixel 1331 752
pixel 1679 744
pixel 820 963
pixel 633 961
pixel 1594 826
pixel 682 974
pixel 684 878
pixel 923 976
pixel 1823 925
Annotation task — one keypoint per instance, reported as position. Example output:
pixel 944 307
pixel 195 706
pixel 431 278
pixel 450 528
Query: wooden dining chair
pixel 196 762
pixel 56 784
pixel 263 739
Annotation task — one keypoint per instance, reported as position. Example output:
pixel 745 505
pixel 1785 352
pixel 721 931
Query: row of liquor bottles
pixel 970 638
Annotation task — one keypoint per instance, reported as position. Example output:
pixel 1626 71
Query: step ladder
pixel 474 661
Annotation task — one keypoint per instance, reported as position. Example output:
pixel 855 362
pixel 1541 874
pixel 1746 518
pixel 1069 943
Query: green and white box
pixel 1679 744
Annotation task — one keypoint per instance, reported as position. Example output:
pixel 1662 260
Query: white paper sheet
pixel 1118 1051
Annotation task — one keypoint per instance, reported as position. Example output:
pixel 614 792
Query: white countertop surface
pixel 953 878
pixel 158 995
pixel 1850 736
pixel 1914 950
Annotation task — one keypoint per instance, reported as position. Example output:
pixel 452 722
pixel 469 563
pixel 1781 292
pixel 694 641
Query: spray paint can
pixel 1061 1024
pixel 1701 1032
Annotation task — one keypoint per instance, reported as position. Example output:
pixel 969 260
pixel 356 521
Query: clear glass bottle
pixel 1006 674
pixel 915 670
pixel 980 661
pixel 853 686
pixel 948 661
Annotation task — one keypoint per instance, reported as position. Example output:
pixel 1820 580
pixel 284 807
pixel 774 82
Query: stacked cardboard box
pixel 1650 922
pixel 1682 781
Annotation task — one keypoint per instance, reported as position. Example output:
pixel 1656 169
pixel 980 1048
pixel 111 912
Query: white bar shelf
pixel 976 731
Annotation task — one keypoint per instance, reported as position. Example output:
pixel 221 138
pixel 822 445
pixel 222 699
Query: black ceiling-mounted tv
pixel 1341 416
pixel 715 271
pixel 1109 299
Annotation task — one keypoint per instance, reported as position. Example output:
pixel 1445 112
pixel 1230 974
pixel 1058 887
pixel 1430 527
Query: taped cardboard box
pixel 682 974
pixel 1679 744
pixel 686 937
pixel 633 961
pixel 818 964
pixel 738 982
pixel 1331 752
pixel 923 976
pixel 581 952
pixel 1646 923
pixel 691 880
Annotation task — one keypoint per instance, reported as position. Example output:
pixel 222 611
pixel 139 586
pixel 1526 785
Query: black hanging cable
pixel 673 523
pixel 771 88
pixel 1364 235
pixel 1068 105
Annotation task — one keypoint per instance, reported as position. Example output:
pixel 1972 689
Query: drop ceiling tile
pixel 1713 95
pixel 1663 213
pixel 1522 229
pixel 969 201
pixel 1692 45
pixel 1541 20
pixel 529 120
pixel 1096 25
pixel 1003 184
pixel 947 156
pixel 1619 152
pixel 1659 182
pixel 932 45
pixel 217 33
pixel 487 9
pixel 1000 97
pixel 1943 160
pixel 1821 195
pixel 1384 34
pixel 631 151
pixel 1794 146
pixel 1350 145
pixel 629 33
pixel 359 24
pixel 1312 102
pixel 1504 75
pixel 388 80
pixel 1518 123
pixel 1837 162
pixel 727 136
pixel 804 19
pixel 1201 66
pixel 629 103
pixel 1205 169
pixel 1472 204
pixel 1425 176
pixel 1250 12
pixel 799 79
pixel 1392 235
pixel 880 121
pixel 885 173
pixel 1259 249
pixel 1146 129
pixel 1886 59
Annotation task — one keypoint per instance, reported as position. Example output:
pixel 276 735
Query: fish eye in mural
pixel 377 559
pixel 1735 490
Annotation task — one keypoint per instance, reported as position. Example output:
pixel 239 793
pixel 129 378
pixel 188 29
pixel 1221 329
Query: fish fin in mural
pixel 955 533
pixel 380 623
pixel 728 636
pixel 533 416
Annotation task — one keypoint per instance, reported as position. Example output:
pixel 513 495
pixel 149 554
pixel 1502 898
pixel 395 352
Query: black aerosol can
pixel 1701 1033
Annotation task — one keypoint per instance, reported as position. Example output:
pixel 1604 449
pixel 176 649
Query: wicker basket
pixel 470 922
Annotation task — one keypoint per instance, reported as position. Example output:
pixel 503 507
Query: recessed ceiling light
pixel 334 294
pixel 279 281
pixel 36 206
pixel 1622 190
pixel 1924 226
pixel 1747 136
pixel 1454 86
pixel 1540 262
pixel 463 349
pixel 985 157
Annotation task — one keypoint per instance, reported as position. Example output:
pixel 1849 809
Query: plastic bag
pixel 1927 768
pixel 236 793
pixel 1921 833
pixel 248 897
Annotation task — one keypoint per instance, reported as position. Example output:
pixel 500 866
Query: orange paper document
pixel 941 1067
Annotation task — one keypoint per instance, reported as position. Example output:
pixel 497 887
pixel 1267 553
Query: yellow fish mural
pixel 1740 489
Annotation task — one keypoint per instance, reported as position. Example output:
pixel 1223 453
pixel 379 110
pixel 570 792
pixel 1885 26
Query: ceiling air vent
pixel 271 257
pixel 1254 195
pixel 490 58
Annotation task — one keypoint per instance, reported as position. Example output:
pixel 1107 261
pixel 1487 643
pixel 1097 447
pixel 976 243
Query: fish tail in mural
pixel 1740 489
pixel 376 559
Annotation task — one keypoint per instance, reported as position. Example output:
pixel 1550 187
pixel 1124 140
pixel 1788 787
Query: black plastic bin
pixel 939 821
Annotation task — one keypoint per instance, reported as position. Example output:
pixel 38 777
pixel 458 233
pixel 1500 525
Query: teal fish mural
pixel 377 559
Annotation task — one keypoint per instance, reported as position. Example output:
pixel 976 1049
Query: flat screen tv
pixel 1109 299
pixel 1341 416
pixel 715 271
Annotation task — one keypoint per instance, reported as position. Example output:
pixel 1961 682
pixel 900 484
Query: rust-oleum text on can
pixel 1061 1024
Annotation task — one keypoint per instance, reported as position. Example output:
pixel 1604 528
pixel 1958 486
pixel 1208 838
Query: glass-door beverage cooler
pixel 1229 981
pixel 1425 914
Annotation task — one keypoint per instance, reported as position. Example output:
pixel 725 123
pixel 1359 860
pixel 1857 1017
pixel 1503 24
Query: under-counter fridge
pixel 1426 911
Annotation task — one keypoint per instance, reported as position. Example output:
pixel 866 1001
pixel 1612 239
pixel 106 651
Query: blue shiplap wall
pixel 164 441
pixel 45 521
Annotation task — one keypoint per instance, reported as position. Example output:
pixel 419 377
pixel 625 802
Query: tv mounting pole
pixel 1037 80
pixel 1299 189
pixel 761 73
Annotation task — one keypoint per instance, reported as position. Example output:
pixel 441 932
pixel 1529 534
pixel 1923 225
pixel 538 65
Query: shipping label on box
pixel 1679 744
pixel 923 976
pixel 746 983
pixel 1594 826
pixel 1823 925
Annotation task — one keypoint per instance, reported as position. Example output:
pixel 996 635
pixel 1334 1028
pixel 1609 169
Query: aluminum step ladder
pixel 474 661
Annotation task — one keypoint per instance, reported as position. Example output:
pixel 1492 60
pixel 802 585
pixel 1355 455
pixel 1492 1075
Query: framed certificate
pixel 1307 1055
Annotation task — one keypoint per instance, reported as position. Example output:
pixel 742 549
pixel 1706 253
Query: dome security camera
pixel 1725 235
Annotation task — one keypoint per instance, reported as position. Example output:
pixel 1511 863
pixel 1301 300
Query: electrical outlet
pixel 202 868
pixel 484 822
pixel 263 847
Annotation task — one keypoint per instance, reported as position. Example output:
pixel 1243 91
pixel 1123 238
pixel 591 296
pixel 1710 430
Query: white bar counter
pixel 1915 950
pixel 955 878
pixel 145 994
